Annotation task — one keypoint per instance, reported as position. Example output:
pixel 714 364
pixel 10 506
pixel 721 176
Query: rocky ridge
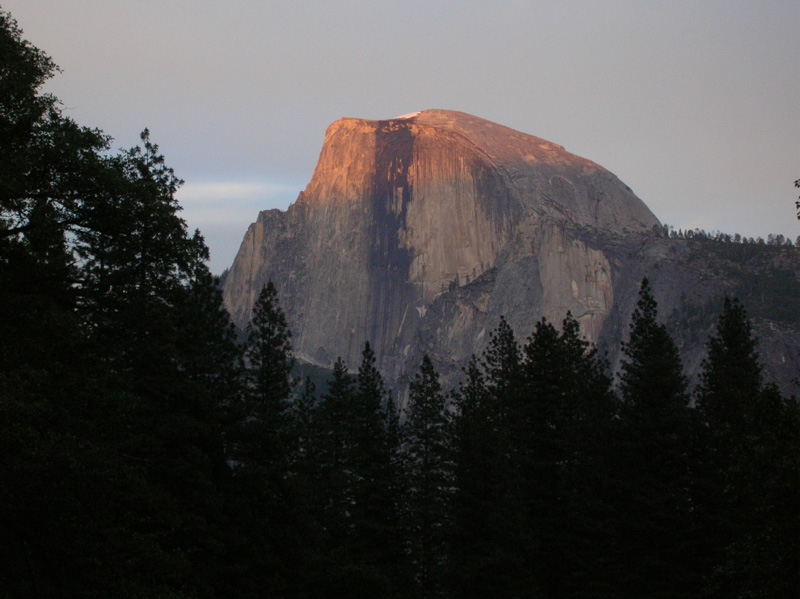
pixel 417 233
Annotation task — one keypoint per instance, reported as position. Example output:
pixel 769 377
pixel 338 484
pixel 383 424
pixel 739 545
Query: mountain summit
pixel 459 160
pixel 417 233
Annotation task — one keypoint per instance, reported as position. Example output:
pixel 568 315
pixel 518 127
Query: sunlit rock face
pixel 420 231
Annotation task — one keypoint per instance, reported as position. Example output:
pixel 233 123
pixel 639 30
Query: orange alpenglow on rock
pixel 416 233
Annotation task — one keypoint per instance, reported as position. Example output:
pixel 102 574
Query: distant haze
pixel 694 105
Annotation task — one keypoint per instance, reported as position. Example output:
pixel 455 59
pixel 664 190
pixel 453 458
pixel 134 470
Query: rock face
pixel 417 233
pixel 400 211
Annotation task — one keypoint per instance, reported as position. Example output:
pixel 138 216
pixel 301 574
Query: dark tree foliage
pixel 797 204
pixel 212 359
pixel 145 454
pixel 478 557
pixel 332 491
pixel 501 360
pixel 752 473
pixel 488 502
pixel 376 487
pixel 336 450
pixel 357 485
pixel 504 409
pixel 568 411
pixel 260 442
pixel 528 508
pixel 654 442
pixel 115 358
pixel 302 419
pixel 262 446
pixel 731 377
pixel 269 352
pixel 652 383
pixel 427 451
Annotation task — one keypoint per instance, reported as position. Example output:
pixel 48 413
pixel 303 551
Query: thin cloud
pixel 225 191
pixel 223 210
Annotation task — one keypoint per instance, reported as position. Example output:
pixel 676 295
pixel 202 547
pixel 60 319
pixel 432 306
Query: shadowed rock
pixel 417 233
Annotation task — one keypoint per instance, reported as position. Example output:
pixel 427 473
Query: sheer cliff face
pixel 406 212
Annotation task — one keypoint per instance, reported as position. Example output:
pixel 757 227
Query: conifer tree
pixel 137 258
pixel 475 557
pixel 751 467
pixel 335 569
pixel 336 441
pixel 496 401
pixel 729 401
pixel 501 365
pixel 303 420
pixel 731 376
pixel 504 439
pixel 488 504
pixel 355 487
pixel 369 416
pixel 306 492
pixel 652 383
pixel 655 437
pixel 261 435
pixel 262 450
pixel 269 351
pixel 569 406
pixel 428 465
pixel 112 453
pixel 370 457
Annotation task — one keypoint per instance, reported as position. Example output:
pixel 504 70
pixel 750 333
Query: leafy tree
pixel 40 154
pixel 46 160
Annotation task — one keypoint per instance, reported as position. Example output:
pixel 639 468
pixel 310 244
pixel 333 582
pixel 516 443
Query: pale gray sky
pixel 694 105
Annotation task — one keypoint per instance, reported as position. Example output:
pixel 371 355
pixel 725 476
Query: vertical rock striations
pixel 419 231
